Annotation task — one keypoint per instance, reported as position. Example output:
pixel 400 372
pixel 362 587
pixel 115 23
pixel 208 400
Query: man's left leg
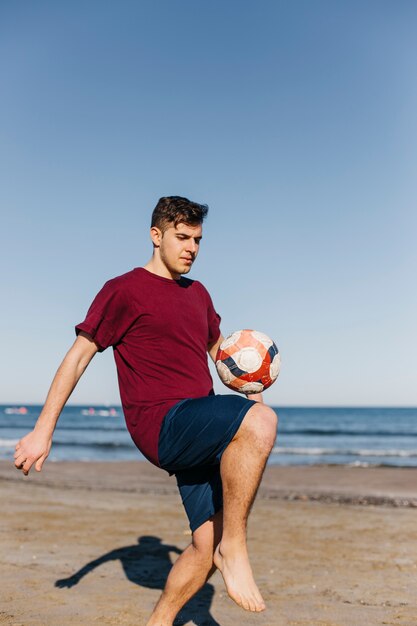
pixel 242 465
pixel 190 572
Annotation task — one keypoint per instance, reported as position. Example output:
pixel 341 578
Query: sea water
pixel 343 436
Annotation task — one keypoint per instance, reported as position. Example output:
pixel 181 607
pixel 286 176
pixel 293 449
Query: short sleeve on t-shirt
pixel 110 315
pixel 213 319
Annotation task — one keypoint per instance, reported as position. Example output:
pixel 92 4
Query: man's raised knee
pixel 261 423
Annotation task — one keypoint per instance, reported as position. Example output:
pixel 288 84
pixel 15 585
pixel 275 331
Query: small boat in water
pixel 101 412
pixel 15 410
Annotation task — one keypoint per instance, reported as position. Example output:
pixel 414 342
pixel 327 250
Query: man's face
pixel 178 248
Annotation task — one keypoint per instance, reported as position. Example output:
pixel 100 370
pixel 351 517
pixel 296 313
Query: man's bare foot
pixel 238 578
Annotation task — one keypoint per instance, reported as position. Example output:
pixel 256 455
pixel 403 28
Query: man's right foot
pixel 238 578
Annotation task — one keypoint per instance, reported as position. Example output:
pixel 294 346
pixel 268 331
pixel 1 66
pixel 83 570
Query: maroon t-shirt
pixel 160 330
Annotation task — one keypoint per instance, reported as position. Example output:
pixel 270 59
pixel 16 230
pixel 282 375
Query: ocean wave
pixel 8 443
pixel 95 444
pixel 99 428
pixel 96 426
pixel 342 452
pixel 346 433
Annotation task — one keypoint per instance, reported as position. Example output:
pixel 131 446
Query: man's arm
pixel 212 350
pixel 35 446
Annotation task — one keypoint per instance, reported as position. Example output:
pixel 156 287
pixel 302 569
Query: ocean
pixel 306 436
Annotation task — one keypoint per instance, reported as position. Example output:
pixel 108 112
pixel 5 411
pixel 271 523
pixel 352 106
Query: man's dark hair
pixel 177 210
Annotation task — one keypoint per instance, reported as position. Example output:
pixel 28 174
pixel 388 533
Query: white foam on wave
pixel 341 452
pixel 359 464
pixel 305 451
pixel 402 453
pixel 8 443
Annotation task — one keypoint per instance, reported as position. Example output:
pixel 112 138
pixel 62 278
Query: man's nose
pixel 192 246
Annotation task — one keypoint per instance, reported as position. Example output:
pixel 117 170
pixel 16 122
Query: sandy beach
pixel 92 543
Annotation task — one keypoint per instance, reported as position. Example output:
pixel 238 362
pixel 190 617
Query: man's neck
pixel 157 267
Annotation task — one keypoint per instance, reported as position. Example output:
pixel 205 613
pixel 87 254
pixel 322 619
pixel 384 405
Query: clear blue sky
pixel 295 121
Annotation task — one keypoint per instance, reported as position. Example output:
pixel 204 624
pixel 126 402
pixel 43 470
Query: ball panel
pixel 248 339
pixel 252 388
pixel 248 359
pixel 230 340
pixel 224 372
pixel 263 339
pixel 272 351
pixel 275 367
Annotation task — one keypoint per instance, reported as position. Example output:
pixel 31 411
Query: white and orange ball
pixel 248 361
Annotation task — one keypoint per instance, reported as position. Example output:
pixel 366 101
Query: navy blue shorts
pixel 193 437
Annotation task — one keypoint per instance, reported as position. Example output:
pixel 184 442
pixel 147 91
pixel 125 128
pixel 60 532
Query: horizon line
pixel 282 406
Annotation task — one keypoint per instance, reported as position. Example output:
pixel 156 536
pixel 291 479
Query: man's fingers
pixel 18 451
pixel 26 467
pixel 23 463
pixel 19 460
pixel 39 463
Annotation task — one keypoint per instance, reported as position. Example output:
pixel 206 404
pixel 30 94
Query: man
pixel 161 326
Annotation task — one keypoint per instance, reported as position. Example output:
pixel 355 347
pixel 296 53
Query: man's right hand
pixel 35 446
pixel 32 449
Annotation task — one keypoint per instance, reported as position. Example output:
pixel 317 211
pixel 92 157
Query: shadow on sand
pixel 147 564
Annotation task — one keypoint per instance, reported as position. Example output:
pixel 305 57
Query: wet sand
pixel 92 543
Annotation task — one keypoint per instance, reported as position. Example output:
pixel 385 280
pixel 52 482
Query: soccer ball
pixel 248 361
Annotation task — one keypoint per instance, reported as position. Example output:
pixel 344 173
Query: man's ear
pixel 156 236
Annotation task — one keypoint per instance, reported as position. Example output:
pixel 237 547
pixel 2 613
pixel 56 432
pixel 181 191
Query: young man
pixel 161 326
